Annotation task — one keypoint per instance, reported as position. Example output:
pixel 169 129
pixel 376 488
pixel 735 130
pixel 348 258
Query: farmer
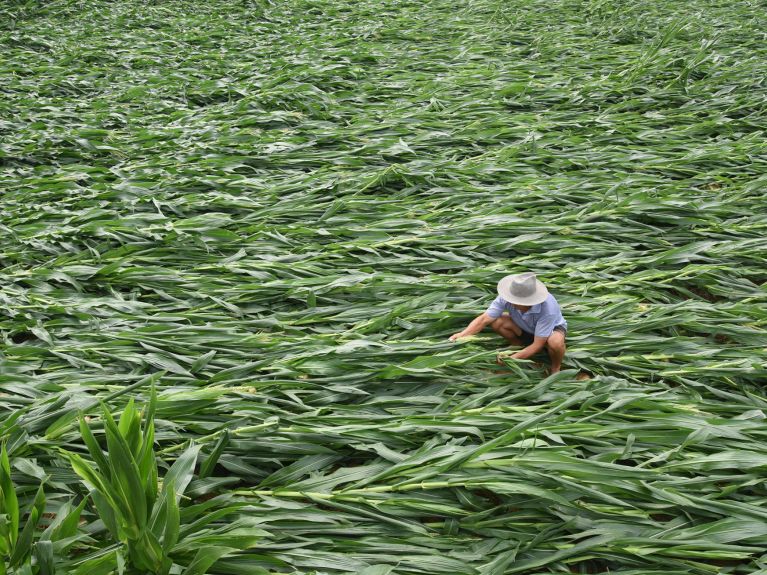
pixel 534 319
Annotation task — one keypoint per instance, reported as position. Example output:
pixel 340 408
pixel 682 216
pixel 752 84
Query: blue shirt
pixel 540 320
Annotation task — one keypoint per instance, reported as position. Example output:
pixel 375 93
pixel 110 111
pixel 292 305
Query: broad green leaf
pixel 205 558
pixel 10 504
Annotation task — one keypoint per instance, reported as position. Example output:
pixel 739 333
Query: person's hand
pixel 455 336
pixel 499 359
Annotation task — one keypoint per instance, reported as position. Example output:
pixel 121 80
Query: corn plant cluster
pixel 236 235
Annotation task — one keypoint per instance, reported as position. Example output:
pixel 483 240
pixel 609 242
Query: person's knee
pixel 505 326
pixel 556 342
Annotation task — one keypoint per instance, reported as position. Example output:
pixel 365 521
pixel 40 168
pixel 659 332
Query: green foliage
pixel 125 487
pixel 137 509
pixel 26 551
pixel 275 213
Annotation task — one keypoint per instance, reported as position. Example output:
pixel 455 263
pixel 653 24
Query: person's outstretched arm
pixel 543 329
pixel 477 325
pixel 539 343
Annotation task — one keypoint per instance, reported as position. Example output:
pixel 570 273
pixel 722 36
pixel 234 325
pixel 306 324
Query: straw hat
pixel 522 289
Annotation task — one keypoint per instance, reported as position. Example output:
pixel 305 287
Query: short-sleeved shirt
pixel 540 320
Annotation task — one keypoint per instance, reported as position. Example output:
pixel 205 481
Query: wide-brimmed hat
pixel 522 289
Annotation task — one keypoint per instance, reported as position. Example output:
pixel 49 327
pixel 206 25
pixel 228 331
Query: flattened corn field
pixel 245 230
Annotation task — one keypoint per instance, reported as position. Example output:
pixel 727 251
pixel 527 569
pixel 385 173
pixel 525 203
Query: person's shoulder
pixel 551 305
pixel 498 302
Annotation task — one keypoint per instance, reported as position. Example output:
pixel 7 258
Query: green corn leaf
pixel 95 450
pixel 164 521
pixel 10 504
pixel 126 483
pixel 200 363
pixel 43 553
pixel 205 558
pixel 146 456
pixel 210 462
pixel 377 570
pixel 92 478
pixel 24 544
pixel 130 427
pixel 146 553
pixel 102 562
pixel 181 472
pixel 109 513
pixel 65 524
pixel 158 522
pixel 172 519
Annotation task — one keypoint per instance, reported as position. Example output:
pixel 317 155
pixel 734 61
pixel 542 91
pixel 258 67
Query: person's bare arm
pixel 538 344
pixel 477 325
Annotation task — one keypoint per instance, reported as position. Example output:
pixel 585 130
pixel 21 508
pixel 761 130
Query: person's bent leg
pixel 506 328
pixel 556 347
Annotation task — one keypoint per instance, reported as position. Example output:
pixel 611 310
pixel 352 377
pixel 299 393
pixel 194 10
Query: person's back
pixel 541 319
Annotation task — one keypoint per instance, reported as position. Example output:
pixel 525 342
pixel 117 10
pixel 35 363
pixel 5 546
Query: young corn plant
pixel 16 546
pixel 138 510
pixel 141 512
pixel 23 550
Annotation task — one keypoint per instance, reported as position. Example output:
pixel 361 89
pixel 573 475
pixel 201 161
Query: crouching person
pixel 534 319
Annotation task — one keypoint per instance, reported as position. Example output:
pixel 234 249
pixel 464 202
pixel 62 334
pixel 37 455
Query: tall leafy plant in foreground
pixel 23 550
pixel 16 547
pixel 138 510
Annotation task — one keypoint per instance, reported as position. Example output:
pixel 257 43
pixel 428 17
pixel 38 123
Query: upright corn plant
pixel 16 547
pixel 23 550
pixel 136 509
